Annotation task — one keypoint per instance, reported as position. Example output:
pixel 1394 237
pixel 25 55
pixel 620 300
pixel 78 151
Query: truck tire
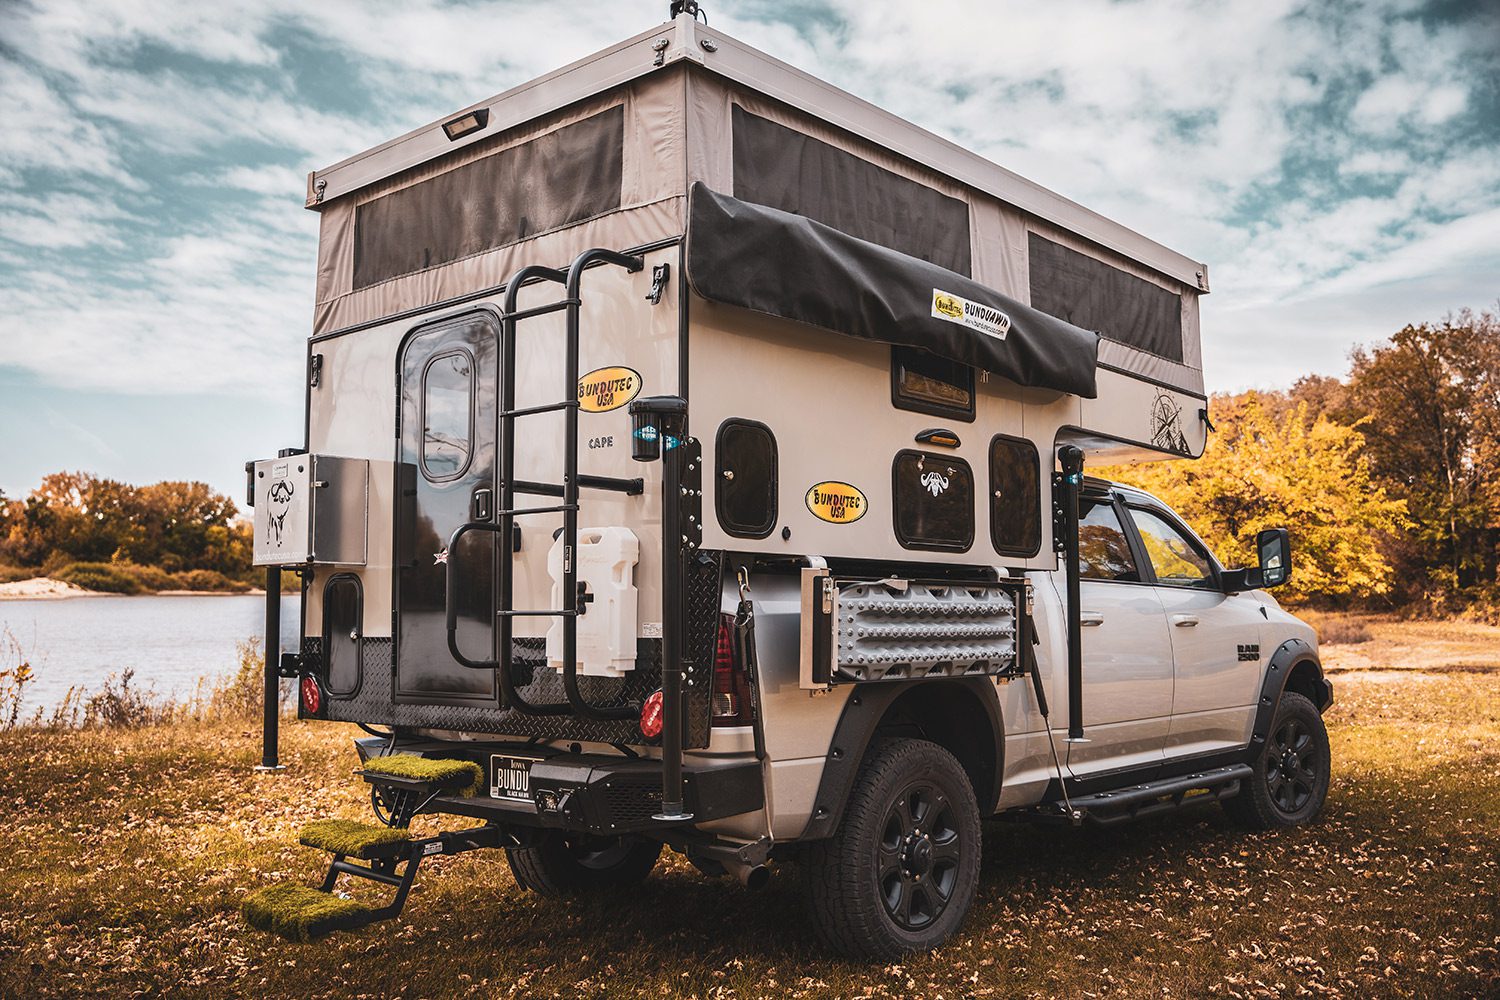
pixel 900 872
pixel 1291 773
pixel 572 865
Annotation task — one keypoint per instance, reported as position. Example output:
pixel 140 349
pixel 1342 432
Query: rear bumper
pixel 601 794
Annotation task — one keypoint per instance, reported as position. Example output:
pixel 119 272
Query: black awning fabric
pixel 774 262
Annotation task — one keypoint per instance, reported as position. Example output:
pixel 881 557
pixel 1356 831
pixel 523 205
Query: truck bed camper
pixel 694 457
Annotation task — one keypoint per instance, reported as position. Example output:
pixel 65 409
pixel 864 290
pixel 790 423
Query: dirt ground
pixel 131 848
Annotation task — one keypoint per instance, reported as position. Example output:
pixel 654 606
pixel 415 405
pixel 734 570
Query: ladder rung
pixel 537 613
pixel 521 511
pixel 567 404
pixel 630 487
pixel 542 310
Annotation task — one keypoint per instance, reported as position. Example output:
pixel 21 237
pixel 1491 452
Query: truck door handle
pixel 1089 619
pixel 1185 621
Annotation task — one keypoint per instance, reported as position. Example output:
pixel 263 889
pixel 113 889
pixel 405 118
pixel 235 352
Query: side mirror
pixel 1273 550
pixel 1274 547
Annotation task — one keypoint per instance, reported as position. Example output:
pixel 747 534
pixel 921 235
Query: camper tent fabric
pixel 782 264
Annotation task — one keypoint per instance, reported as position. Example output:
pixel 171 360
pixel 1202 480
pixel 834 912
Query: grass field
pixel 129 850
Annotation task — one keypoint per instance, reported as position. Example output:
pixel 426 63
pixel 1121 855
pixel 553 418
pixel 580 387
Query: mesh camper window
pixel 1091 294
pixel 555 180
pixel 780 167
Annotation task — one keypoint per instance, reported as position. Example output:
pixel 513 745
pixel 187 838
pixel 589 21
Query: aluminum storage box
pixel 311 509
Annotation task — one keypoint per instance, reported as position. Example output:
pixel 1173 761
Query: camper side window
pixel 933 501
pixel 447 415
pixel 1015 496
pixel 745 484
pixel 926 383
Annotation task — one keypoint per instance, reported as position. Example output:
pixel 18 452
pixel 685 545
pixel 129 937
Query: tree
pixel 1431 400
pixel 1270 466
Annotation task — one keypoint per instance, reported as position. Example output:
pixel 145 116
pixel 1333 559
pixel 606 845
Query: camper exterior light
pixel 467 124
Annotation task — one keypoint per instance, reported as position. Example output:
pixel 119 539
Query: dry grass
pixel 1338 629
pixel 132 849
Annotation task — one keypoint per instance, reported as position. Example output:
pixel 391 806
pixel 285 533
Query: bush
pixel 1339 630
pixel 104 577
pixel 240 695
pixel 207 579
pixel 12 574
pixel 119 703
pixel 149 577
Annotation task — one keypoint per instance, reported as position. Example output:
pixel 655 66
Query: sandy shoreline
pixel 44 589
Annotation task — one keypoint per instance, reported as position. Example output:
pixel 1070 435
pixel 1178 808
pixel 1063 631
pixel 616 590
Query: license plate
pixel 510 777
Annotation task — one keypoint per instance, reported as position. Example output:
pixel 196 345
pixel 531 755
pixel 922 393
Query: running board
pixel 1163 795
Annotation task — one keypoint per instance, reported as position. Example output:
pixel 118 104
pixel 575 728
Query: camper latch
pixel 659 275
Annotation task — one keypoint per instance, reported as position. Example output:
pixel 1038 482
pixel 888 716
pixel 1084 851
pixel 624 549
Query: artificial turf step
pixel 302 913
pixel 461 776
pixel 354 839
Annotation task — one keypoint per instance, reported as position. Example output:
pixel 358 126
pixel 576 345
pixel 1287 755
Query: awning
pixel 774 262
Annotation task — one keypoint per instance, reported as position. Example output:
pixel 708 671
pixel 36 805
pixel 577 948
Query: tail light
pixel 651 716
pixel 312 698
pixel 731 694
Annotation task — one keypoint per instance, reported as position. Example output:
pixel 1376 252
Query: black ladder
pixel 505 517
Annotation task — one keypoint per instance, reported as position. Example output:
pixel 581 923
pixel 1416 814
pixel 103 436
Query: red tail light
pixel 651 716
pixel 312 698
pixel 731 695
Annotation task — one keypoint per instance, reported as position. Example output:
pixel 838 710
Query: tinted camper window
pixel 933 501
pixel 745 478
pixel 343 618
pixel 555 180
pixel 926 383
pixel 447 415
pixel 780 167
pixel 1095 296
pixel 1015 497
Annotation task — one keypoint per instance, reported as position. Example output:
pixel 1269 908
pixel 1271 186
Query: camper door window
pixel 447 415
pixel 925 383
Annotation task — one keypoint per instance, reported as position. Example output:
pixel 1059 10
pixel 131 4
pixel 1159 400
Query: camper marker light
pixel 651 716
pixel 312 698
pixel 940 436
pixel 466 124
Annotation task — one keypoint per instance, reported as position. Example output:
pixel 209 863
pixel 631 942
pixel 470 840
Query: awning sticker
pixel 966 312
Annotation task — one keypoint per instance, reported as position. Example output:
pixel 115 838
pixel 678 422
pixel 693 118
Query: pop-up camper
pixel 694 457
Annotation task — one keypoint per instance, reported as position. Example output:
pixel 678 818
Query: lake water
pixel 171 642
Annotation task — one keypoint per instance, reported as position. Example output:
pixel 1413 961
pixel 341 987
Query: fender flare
pixel 1288 656
pixel 863 711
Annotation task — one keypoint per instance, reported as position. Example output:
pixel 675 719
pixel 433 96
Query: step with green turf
pixel 302 913
pixel 462 776
pixel 354 839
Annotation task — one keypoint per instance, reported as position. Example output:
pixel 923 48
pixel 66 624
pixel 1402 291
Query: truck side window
pixel 1015 505
pixel 933 501
pixel 1103 550
pixel 1178 559
pixel 925 383
pixel 745 483
pixel 447 415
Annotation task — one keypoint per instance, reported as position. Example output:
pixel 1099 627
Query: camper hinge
pixel 659 275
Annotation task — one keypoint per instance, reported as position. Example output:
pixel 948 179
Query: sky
pixel 1336 163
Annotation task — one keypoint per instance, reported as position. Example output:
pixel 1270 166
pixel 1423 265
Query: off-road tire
pixel 856 877
pixel 572 866
pixel 1292 770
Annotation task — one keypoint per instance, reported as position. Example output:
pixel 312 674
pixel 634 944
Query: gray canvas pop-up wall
pixel 581 159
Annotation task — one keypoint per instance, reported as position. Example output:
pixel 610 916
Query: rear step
pixel 1163 795
pixel 402 785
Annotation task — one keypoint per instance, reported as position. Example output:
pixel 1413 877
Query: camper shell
pixel 608 365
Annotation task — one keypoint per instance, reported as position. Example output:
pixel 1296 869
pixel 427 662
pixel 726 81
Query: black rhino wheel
pixel 572 865
pixel 900 873
pixel 1292 772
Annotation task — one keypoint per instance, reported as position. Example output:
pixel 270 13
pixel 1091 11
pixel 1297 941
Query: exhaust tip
pixel 754 877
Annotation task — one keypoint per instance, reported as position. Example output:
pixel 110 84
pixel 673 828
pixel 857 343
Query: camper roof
pixel 685 41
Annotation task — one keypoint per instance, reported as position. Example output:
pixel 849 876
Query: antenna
pixel 688 7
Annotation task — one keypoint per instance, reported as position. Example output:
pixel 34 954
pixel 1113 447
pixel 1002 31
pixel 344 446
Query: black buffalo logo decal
pixel 281 501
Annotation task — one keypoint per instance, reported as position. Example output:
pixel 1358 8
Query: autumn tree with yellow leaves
pixel 1272 465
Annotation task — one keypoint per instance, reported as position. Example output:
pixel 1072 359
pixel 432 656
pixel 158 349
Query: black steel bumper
pixel 604 794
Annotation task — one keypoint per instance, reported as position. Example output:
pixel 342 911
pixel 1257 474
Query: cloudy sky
pixel 1336 162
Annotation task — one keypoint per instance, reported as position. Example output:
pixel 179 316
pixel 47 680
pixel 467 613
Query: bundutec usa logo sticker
pixel 836 503
pixel 605 389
